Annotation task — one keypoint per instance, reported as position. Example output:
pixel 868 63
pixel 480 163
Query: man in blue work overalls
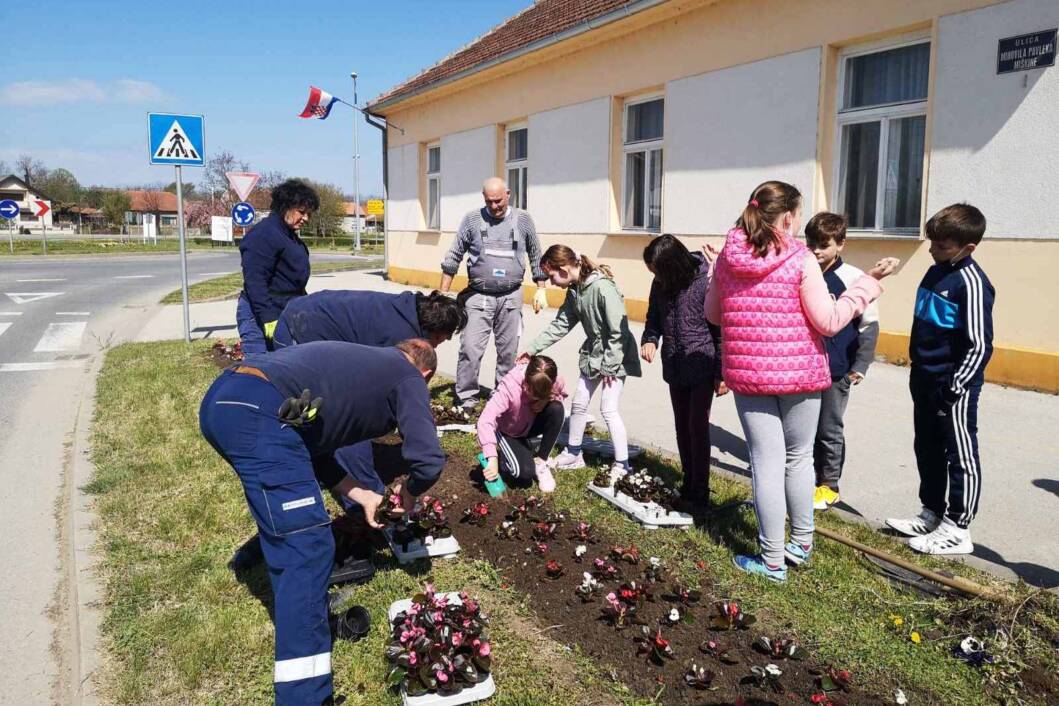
pixel 252 416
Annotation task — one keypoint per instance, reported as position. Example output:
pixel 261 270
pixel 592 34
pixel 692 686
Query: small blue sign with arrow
pixel 9 209
pixel 242 214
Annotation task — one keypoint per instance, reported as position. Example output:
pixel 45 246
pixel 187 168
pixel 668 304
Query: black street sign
pixel 1026 51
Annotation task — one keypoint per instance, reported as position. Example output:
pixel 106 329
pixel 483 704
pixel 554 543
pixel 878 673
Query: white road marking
pixel 212 274
pixel 134 277
pixel 73 313
pixel 10 313
pixel 60 338
pixel 49 365
pixel 4 325
pixel 46 279
pixel 25 297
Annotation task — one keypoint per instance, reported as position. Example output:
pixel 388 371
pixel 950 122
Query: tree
pixel 4 169
pixel 188 188
pixel 61 186
pixel 215 180
pixel 31 170
pixel 327 221
pixel 115 205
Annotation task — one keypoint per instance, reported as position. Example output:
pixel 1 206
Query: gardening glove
pixel 540 300
pixel 270 329
pixel 300 412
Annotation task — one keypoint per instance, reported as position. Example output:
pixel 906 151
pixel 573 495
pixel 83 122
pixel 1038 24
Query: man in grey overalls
pixel 497 239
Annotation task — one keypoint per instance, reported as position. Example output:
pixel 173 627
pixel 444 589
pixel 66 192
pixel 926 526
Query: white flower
pixel 505 524
pixel 900 698
pixel 655 562
pixel 674 615
pixel 773 670
pixel 970 645
pixel 580 550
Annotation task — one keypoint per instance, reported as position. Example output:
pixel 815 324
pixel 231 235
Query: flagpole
pixel 356 168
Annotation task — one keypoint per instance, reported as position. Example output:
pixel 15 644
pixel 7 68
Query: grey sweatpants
pixel 780 430
pixel 829 451
pixel 487 314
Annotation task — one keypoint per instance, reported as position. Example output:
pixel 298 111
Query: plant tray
pixel 446 548
pixel 650 515
pixel 464 428
pixel 477 692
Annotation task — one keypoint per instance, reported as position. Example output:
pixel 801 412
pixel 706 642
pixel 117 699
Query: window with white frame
pixel 642 169
pixel 434 187
pixel 882 119
pixel 517 163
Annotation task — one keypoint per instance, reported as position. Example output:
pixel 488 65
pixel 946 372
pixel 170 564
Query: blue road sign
pixel 9 209
pixel 176 139
pixel 242 214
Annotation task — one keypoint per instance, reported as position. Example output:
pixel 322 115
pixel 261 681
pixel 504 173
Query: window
pixel 642 174
pixel 517 149
pixel 882 127
pixel 434 187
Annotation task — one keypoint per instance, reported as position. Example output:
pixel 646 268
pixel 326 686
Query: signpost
pixel 40 209
pixel 374 207
pixel 221 229
pixel 178 140
pixel 9 211
pixel 242 214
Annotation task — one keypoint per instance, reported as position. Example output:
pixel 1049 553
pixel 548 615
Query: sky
pixel 75 92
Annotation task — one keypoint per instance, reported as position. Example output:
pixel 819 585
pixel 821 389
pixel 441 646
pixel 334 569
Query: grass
pixel 178 627
pixel 229 286
pixel 133 245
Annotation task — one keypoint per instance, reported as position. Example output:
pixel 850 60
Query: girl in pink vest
pixel 772 304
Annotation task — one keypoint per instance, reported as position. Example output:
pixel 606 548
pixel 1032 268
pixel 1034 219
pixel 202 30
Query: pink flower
pixel 412 659
pixel 484 650
pixel 598 563
pixel 442 676
pixel 438 616
pixel 457 639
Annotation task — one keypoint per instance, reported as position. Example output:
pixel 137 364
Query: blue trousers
pixel 238 418
pixel 250 332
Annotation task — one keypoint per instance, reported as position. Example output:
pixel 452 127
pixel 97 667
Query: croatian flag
pixel 318 105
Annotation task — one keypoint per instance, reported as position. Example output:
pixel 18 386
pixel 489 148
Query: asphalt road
pixel 57 315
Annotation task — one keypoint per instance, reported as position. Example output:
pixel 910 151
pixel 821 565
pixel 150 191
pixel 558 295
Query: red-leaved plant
pixel 728 615
pixel 476 514
pixel 655 647
pixel 553 569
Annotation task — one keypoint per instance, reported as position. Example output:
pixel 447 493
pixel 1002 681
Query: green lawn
pixel 229 286
pixel 179 628
pixel 133 246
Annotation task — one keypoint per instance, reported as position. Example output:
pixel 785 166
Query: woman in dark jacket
pixel 275 264
pixel 691 356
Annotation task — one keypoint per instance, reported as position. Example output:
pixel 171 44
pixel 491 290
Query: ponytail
pixel 562 256
pixel 541 373
pixel 767 204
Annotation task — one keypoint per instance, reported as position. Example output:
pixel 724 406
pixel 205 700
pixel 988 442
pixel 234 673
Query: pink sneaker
pixel 545 479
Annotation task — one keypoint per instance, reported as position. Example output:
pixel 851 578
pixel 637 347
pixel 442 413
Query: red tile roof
pixel 153 201
pixel 350 206
pixel 539 21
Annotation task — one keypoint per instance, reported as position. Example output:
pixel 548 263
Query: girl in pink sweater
pixel 772 304
pixel 527 403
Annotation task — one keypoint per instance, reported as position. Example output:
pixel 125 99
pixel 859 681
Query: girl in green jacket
pixel 608 354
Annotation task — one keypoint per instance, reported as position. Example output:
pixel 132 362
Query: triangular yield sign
pixel 24 297
pixel 242 183
pixel 176 145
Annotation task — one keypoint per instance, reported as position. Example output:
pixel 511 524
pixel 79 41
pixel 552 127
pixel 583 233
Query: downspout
pixel 382 126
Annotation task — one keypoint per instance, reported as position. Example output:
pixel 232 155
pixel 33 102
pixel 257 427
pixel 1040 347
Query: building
pixel 353 212
pixel 161 204
pixel 614 120
pixel 11 187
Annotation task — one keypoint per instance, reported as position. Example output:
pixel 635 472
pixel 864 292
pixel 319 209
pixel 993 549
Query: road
pixel 57 315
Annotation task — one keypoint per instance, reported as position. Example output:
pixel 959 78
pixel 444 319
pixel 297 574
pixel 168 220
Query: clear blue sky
pixel 79 78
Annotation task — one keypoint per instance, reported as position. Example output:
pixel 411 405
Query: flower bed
pixel 646 498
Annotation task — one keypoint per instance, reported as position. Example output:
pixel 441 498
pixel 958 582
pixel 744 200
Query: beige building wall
pixel 750 89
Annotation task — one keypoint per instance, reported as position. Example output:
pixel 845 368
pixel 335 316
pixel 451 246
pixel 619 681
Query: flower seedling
pixel 629 554
pixel 602 479
pixel 655 571
pixel 673 617
pixel 645 488
pixel 553 569
pixel 544 531
pixel 699 677
pixel 767 677
pixel 579 552
pixel 582 532
pixel 728 615
pixel 604 570
pixel 972 651
pixel 655 647
pixel 476 514
pixel 780 648
pixel 686 595
pixel 617 612
pixel 835 679
pixel 719 650
pixel 540 548
pixel 507 530
pixel 588 588
pixel 425 522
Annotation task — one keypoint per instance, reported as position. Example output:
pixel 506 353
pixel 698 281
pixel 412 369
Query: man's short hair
pixel 421 352
pixel 961 223
pixel 438 313
pixel 825 227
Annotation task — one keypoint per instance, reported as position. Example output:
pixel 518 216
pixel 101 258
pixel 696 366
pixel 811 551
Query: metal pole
pixel 356 169
pixel 44 234
pixel 183 255
pixel 11 234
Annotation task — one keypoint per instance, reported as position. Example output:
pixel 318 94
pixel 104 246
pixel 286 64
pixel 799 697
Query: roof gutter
pixel 627 10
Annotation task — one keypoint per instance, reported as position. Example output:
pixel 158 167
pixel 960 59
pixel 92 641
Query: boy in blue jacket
pixel 951 342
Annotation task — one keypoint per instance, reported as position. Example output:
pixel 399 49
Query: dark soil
pixel 564 617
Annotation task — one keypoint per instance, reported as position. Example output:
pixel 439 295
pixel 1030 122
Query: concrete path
pixel 1017 525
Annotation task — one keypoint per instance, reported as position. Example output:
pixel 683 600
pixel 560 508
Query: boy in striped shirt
pixel 951 342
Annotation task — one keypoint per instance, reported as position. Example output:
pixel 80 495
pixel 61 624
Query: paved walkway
pixel 1020 491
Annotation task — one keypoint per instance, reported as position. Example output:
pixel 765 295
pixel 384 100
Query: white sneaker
pixel 924 523
pixel 567 461
pixel 948 538
pixel 545 479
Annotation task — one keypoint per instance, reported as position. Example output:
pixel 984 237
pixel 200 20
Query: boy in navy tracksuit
pixel 849 353
pixel 952 340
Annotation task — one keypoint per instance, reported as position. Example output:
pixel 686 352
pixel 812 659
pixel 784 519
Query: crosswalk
pixel 56 343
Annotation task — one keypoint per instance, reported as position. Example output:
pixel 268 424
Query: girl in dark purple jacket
pixel 691 356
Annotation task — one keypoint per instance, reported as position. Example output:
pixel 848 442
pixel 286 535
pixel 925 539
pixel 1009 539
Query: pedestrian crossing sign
pixel 176 139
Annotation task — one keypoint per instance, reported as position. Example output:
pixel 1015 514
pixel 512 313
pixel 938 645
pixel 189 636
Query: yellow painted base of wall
pixel 1033 370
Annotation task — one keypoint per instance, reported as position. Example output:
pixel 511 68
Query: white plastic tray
pixel 464 428
pixel 650 515
pixel 475 693
pixel 446 548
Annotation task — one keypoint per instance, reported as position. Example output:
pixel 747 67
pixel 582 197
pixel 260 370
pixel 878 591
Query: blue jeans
pixel 238 418
pixel 250 332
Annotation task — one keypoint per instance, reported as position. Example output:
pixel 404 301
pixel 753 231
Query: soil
pixel 572 622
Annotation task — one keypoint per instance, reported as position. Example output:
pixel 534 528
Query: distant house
pixel 160 203
pixel 353 211
pixel 11 187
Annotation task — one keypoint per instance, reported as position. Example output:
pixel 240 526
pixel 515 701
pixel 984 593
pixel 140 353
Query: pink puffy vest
pixel 767 344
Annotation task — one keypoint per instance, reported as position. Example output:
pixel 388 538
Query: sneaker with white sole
pixel 924 523
pixel 567 461
pixel 545 479
pixel 824 497
pixel 797 553
pixel 948 538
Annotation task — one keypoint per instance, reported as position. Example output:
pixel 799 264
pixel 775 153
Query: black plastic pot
pixel 353 624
